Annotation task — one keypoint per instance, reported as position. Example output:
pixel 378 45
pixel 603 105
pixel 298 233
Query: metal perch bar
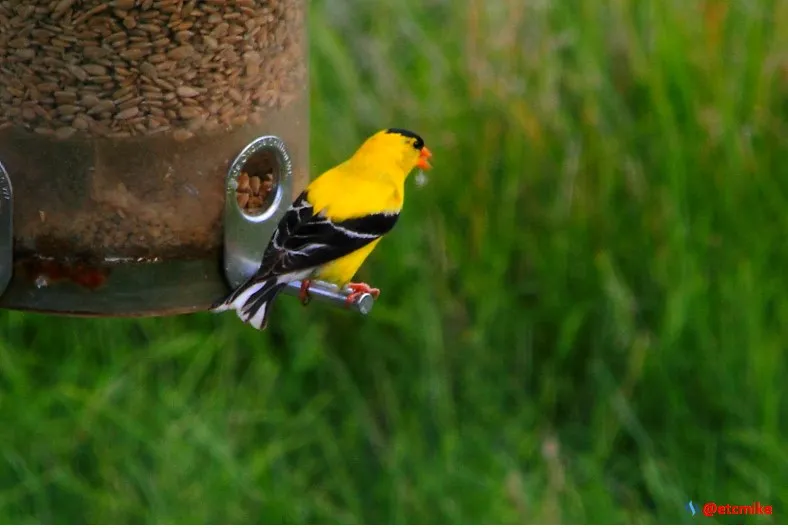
pixel 326 292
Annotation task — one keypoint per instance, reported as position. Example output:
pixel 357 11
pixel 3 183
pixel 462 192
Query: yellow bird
pixel 333 226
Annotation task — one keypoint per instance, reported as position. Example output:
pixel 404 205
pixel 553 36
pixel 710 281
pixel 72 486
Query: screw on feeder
pixel 6 229
pixel 247 230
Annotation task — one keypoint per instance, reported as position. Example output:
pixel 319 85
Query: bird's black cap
pixel 419 143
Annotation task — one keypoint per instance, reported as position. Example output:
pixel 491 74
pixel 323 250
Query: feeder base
pixel 116 289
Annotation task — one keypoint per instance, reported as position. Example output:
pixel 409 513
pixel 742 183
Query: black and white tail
pixel 252 301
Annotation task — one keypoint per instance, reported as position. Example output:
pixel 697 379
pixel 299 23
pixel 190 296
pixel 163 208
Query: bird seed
pixel 253 191
pixel 200 50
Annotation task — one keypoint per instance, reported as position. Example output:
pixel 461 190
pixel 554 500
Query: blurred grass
pixel 584 315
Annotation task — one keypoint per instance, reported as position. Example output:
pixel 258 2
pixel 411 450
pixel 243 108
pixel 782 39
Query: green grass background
pixel 584 314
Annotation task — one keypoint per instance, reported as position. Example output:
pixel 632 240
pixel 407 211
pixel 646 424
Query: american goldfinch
pixel 334 224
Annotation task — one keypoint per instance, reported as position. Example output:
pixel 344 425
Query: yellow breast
pixel 342 195
pixel 342 270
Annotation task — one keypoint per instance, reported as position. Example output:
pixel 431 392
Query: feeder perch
pixel 147 150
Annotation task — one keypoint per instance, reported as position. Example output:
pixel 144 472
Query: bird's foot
pixel 359 289
pixel 304 292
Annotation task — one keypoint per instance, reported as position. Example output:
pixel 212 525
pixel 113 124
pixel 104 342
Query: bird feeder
pixel 148 149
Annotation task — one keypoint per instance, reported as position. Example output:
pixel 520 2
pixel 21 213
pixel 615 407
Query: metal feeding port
pixel 258 181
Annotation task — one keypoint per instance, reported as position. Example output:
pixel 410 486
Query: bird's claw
pixel 359 289
pixel 304 292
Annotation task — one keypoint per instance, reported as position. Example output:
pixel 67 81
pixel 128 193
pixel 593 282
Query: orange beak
pixel 424 155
